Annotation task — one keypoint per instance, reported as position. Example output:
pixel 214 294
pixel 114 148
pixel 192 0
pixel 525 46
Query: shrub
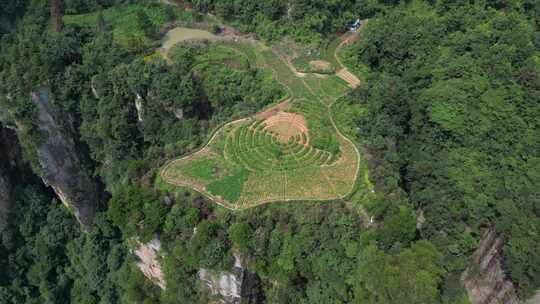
pixel 216 29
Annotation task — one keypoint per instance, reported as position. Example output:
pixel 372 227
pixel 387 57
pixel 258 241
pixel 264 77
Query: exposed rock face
pixel 139 107
pixel 535 299
pixel 485 280
pixel 420 219
pixel 233 286
pixel 61 162
pixel 149 263
pixel 12 169
pixel 93 87
pixel 178 113
pixel 226 284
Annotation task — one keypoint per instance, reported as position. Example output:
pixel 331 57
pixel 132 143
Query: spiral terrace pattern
pixel 291 151
pixel 253 146
pixel 286 126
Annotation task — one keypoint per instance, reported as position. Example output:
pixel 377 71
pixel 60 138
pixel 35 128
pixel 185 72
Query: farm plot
pixel 292 151
pixel 318 59
pixel 221 54
pixel 322 132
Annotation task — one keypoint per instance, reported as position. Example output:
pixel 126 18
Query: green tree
pixel 101 26
pixel 137 211
pixel 412 276
pixel 399 228
pixel 241 236
pixel 144 23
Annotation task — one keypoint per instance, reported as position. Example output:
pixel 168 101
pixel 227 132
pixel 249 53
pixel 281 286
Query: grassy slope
pixel 122 21
pixel 325 53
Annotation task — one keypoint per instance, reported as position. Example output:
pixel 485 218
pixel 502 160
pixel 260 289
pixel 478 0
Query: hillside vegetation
pixel 452 108
pixel 446 120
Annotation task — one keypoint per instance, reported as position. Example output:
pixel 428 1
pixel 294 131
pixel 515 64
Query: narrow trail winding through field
pixel 344 73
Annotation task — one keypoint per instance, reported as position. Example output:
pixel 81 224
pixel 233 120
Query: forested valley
pixel 447 119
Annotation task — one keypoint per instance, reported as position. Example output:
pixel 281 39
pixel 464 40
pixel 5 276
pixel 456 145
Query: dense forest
pixel 456 115
pixel 447 115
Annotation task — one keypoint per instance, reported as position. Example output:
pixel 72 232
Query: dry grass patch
pixel 320 65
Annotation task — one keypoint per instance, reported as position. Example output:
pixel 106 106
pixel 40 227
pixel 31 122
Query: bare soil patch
pixel 320 64
pixel 179 34
pixel 349 77
pixel 280 107
pixel 149 263
pixel 286 125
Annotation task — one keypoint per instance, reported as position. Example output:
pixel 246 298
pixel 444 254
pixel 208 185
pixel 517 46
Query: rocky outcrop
pixel 226 284
pixel 535 299
pixel 139 107
pixel 233 286
pixel 93 87
pixel 178 113
pixel 485 280
pixel 420 219
pixel 61 162
pixel 149 263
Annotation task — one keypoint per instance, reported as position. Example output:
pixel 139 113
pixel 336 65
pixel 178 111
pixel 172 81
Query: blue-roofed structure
pixel 356 24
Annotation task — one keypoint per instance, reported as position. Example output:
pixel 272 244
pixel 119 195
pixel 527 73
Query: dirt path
pixel 349 77
pixel 344 73
pixel 289 63
pixel 329 106
pixel 280 107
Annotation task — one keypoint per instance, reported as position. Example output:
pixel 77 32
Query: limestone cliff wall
pixel 61 162
pixel 226 284
pixel 235 286
pixel 485 280
pixel 232 287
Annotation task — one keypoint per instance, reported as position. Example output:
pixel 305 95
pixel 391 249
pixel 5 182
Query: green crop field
pixel 291 152
pixel 219 53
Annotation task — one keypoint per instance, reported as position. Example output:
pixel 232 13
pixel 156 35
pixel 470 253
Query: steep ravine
pixel 13 170
pixel 5 194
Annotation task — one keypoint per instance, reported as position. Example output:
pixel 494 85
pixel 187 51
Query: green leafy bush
pixel 137 211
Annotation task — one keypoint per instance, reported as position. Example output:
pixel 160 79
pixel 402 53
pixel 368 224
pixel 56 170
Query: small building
pixel 355 25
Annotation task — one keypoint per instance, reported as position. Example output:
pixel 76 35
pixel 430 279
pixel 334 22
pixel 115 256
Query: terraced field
pixel 291 151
